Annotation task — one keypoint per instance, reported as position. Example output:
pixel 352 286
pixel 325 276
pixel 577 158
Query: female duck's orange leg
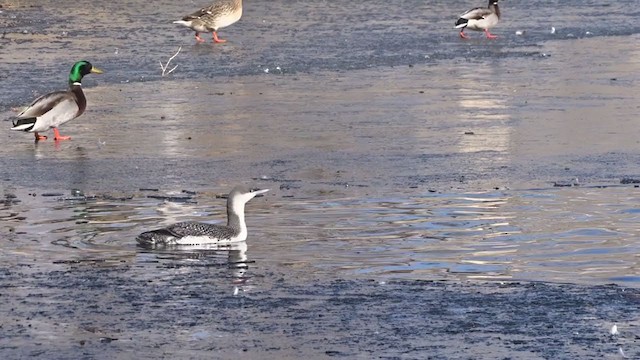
pixel 489 35
pixel 57 136
pixel 215 38
pixel 198 38
pixel 40 137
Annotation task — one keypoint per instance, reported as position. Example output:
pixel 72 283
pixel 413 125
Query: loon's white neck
pixel 235 214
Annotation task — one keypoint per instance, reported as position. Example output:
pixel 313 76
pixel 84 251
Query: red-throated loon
pixel 196 233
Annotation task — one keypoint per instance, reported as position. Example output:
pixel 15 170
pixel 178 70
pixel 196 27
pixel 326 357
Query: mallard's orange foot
pixel 40 137
pixel 490 35
pixel 462 35
pixel 58 137
pixel 198 38
pixel 216 39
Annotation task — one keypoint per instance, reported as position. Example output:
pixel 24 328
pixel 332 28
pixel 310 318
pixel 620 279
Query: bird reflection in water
pixel 237 261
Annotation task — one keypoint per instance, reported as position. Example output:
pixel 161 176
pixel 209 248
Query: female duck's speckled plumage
pixel 195 233
pixel 211 18
pixel 56 108
pixel 480 19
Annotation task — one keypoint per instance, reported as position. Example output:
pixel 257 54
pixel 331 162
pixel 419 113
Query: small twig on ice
pixel 165 67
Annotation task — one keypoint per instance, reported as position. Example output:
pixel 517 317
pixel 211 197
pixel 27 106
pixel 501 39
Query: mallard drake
pixel 196 233
pixel 480 19
pixel 211 18
pixel 56 108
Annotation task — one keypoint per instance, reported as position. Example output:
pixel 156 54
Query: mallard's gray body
pixel 480 19
pixel 54 109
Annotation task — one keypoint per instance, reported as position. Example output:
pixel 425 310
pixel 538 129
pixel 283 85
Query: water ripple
pixel 557 234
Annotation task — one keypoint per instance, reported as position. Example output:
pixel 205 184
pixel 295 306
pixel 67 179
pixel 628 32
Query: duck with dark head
pixel 54 109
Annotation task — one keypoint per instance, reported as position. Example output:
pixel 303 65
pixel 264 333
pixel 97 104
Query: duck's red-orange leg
pixel 489 35
pixel 39 137
pixel 198 38
pixel 58 137
pixel 216 39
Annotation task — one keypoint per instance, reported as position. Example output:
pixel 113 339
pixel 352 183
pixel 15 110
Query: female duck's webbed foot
pixel 216 39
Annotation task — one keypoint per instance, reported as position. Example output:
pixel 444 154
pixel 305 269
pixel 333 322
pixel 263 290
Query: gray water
pixel 393 148
pixel 562 234
pixel 395 153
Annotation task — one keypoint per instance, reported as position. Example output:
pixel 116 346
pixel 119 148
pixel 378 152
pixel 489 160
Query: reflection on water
pixel 232 257
pixel 483 96
pixel 577 234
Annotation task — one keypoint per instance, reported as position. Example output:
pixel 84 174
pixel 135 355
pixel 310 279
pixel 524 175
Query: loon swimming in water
pixel 195 233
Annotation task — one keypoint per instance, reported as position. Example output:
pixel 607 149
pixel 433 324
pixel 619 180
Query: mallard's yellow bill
pixel 95 70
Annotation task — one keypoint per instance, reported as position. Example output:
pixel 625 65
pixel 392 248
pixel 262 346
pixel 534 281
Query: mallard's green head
pixel 80 69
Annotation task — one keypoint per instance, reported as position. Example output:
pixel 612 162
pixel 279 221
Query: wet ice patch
pixel 200 335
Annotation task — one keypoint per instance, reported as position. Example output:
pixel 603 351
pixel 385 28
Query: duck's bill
pixel 95 70
pixel 258 192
